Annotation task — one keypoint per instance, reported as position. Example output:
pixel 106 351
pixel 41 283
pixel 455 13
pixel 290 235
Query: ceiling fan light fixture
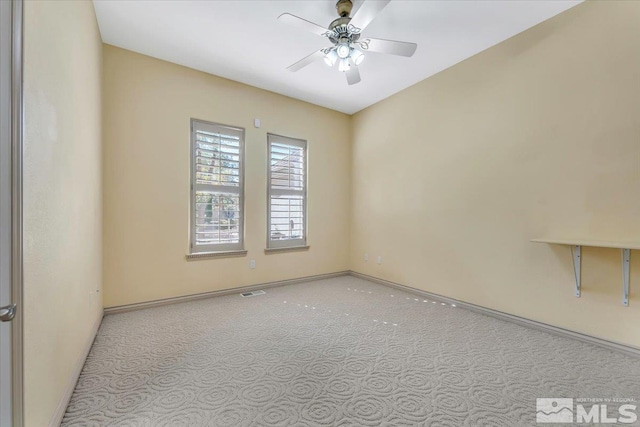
pixel 344 65
pixel 331 57
pixel 343 50
pixel 357 56
pixel 348 48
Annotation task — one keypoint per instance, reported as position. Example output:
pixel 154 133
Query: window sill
pixel 270 251
pixel 220 254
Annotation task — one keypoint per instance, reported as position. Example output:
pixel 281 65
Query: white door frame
pixel 11 120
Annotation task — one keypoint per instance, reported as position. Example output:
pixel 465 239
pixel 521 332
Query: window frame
pixel 215 247
pixel 289 243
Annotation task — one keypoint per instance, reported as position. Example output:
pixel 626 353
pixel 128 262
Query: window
pixel 217 187
pixel 287 194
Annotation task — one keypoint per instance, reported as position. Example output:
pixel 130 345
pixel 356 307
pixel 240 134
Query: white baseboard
pixel 610 345
pixel 56 420
pixel 158 303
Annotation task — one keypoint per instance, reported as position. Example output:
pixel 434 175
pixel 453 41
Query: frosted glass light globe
pixel 343 50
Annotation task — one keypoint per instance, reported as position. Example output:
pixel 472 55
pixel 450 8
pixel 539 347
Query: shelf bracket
pixel 626 254
pixel 576 253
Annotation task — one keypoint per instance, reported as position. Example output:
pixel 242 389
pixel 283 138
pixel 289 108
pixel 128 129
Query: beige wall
pixel 62 197
pixel 147 107
pixel 537 136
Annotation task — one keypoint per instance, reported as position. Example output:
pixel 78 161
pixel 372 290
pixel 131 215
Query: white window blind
pixel 287 198
pixel 217 187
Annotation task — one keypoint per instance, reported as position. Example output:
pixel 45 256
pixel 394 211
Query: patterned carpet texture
pixel 336 352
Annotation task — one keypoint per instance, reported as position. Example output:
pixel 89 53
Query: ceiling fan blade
pixel 353 75
pixel 303 24
pixel 319 54
pixel 367 11
pixel 391 47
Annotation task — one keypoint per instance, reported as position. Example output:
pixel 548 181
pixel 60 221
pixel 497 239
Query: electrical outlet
pixel 252 263
pixel 366 257
pixel 379 260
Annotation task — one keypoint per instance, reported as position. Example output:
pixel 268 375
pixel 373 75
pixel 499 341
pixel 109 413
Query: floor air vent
pixel 252 293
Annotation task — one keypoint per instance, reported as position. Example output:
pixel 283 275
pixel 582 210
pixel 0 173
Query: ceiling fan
pixel 345 33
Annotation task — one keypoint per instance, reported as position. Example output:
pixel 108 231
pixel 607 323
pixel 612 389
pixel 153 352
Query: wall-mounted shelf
pixel 576 254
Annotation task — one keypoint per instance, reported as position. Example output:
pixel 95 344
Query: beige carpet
pixel 337 352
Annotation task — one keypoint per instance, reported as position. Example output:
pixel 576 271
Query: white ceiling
pixel 243 41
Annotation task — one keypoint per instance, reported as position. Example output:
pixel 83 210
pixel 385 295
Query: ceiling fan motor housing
pixel 340 30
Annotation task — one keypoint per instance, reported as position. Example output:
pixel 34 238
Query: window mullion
pixel 217 188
